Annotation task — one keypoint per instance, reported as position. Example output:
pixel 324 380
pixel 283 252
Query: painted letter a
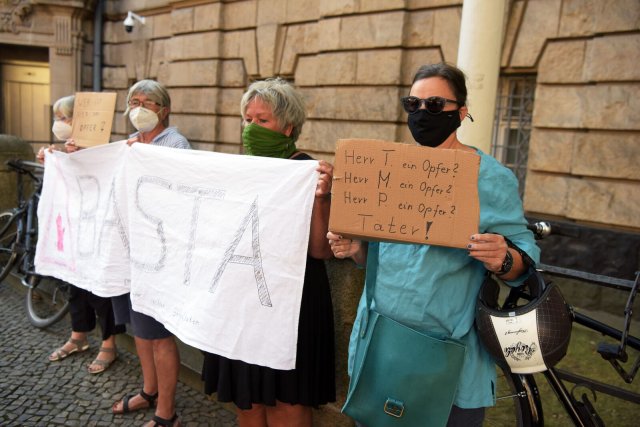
pixel 255 261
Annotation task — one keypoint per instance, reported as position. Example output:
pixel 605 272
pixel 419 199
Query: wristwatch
pixel 507 264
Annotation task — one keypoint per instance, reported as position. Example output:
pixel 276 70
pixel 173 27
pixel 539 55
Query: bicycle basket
pixel 528 338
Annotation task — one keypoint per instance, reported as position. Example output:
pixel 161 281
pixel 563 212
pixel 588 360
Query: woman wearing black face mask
pixel 433 289
pixel 436 106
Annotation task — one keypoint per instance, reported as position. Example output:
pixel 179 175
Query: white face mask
pixel 61 130
pixel 143 119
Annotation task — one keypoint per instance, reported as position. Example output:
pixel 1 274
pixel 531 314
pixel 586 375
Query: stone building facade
pixel 353 60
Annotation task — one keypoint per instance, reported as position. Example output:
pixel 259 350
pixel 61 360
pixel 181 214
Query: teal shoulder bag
pixel 401 377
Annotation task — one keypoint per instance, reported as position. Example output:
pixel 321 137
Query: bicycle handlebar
pixel 542 229
pixel 33 169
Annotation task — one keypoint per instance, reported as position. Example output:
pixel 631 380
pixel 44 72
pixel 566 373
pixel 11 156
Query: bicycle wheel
pixel 517 401
pixel 7 238
pixel 47 300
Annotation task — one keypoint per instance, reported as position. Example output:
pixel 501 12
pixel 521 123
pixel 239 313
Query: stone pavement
pixel 36 392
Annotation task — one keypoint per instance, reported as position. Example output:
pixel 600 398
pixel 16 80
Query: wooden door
pixel 26 107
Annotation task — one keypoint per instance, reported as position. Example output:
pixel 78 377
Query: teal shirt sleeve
pixel 501 209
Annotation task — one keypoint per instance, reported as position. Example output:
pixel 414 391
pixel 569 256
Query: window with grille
pixel 512 128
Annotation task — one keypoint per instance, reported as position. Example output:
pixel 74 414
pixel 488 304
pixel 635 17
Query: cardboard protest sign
pixel 212 245
pixel 398 192
pixel 92 117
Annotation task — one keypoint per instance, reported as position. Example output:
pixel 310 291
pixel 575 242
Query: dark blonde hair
pixel 287 104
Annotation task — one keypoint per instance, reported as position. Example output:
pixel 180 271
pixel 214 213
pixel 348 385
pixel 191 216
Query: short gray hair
pixel 153 90
pixel 286 102
pixel 64 107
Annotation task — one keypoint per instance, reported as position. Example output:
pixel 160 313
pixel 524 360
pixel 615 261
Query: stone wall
pixel 350 58
pixel 586 122
pixel 353 59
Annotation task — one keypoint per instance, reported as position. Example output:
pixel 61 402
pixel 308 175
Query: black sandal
pixel 163 422
pixel 151 400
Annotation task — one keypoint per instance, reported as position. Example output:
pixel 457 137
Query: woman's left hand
pixel 323 188
pixel 488 248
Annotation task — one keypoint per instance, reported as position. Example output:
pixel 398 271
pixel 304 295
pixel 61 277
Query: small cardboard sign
pixel 92 117
pixel 405 193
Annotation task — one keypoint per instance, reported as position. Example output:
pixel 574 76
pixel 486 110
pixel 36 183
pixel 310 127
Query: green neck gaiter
pixel 263 142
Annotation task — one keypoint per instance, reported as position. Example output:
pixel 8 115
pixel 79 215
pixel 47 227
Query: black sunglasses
pixel 433 104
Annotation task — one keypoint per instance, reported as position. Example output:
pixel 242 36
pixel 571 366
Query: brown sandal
pixel 61 353
pixel 103 364
pixel 150 398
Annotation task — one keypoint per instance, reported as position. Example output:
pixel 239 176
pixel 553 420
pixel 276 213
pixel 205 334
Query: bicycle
pixel 47 299
pixel 518 397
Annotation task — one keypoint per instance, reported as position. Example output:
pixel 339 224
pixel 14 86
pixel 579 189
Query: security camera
pixel 128 24
pixel 130 21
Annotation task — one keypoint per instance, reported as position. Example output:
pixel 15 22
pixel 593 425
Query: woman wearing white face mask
pixel 62 127
pixel 62 115
pixel 148 108
pixel 84 306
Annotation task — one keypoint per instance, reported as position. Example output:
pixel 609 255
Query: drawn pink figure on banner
pixel 60 244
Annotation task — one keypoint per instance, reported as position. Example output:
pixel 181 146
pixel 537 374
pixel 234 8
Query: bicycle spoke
pixel 7 239
pixel 512 403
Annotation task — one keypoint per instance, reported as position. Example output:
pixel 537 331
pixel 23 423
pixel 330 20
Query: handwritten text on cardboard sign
pixel 399 192
pixel 92 118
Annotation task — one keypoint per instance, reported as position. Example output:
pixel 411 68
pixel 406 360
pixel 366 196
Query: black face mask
pixel 433 129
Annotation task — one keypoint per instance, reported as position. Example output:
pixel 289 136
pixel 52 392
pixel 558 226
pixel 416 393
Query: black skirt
pixel 311 383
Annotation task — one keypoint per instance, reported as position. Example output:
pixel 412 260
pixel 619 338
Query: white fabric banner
pixel 217 242
pixel 80 237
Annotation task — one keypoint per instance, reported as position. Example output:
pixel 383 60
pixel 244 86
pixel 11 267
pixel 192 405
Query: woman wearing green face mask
pixel 273 112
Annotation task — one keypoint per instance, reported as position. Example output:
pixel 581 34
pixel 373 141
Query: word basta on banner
pixel 212 245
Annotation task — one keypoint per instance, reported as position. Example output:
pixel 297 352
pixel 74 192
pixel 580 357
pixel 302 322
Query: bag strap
pixel 369 283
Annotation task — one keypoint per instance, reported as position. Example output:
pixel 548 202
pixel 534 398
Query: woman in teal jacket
pixel 431 288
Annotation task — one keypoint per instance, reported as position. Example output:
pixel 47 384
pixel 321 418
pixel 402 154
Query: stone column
pixel 65 53
pixel 479 52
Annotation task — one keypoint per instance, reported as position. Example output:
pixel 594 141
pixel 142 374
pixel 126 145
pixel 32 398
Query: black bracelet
pixel 507 264
pixel 526 259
